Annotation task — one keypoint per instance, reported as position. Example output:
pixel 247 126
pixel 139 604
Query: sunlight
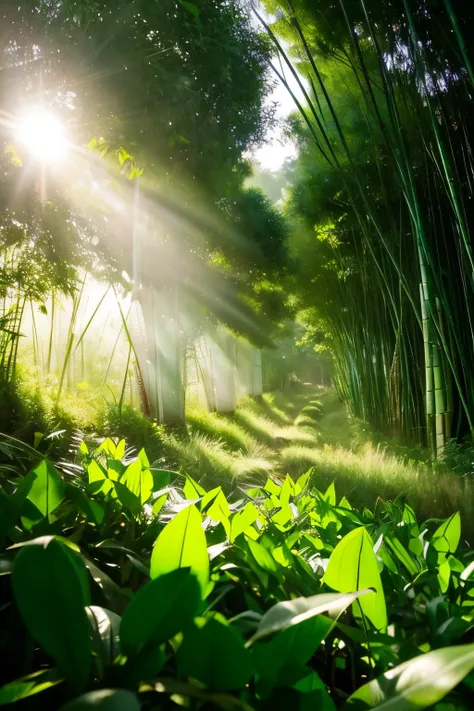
pixel 43 135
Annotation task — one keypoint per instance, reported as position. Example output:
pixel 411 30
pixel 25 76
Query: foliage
pixel 381 201
pixel 128 586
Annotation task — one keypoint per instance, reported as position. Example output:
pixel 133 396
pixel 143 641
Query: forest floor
pixel 304 428
pixel 309 428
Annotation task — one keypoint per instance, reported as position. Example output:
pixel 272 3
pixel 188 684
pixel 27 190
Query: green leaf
pixel 293 646
pixel 50 597
pixel 105 626
pixel 293 612
pixel 444 576
pixel 128 499
pixel 191 8
pixel 215 655
pixel 98 480
pixel 182 544
pixel 10 506
pixel 402 554
pixel 158 504
pixel 416 684
pixel 161 609
pixel 353 566
pixel 138 480
pixel 446 538
pixel 89 507
pixel 192 490
pixel 263 557
pixel 28 686
pixel 47 490
pixel 330 495
pixel 242 520
pixel 104 700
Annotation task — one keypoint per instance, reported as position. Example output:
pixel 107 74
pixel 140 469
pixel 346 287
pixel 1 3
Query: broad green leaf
pixel 182 544
pixel 142 456
pixel 85 504
pixel 108 446
pixel 158 504
pixel 191 8
pixel 287 490
pixel 272 487
pixel 416 684
pixel 397 548
pixel 105 626
pixel 294 645
pixel 192 490
pixel 446 538
pixel 50 597
pixel 28 686
pixel 127 498
pixel 161 478
pixel 263 557
pixel 138 480
pixel 353 566
pixel 98 480
pixel 120 449
pixel 293 612
pixel 47 490
pixel 215 655
pixel 160 609
pixel 344 504
pixel 242 520
pixel 444 576
pixel 330 495
pixel 104 700
pixel 219 511
pixel 209 497
pixel 302 481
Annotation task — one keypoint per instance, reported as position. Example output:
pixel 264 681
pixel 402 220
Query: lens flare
pixel 43 135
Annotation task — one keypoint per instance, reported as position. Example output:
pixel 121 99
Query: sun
pixel 43 135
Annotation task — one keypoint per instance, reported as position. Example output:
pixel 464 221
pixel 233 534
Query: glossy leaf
pixel 48 488
pixel 446 538
pixel 214 654
pixel 50 597
pixel 416 684
pixel 353 566
pixel 161 609
pixel 293 612
pixel 182 544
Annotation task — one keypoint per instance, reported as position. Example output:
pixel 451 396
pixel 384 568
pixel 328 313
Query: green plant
pixel 133 586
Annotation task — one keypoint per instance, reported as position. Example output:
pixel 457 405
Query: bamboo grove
pixel 381 199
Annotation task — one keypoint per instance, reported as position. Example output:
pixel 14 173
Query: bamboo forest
pixel 237 355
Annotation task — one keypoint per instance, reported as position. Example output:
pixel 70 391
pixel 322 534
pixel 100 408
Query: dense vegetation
pixel 236 405
pixel 382 202
pixel 133 587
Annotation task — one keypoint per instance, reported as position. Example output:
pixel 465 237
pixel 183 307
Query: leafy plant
pixel 133 586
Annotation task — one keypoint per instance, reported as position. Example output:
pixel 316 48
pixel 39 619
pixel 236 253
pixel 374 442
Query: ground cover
pixel 125 586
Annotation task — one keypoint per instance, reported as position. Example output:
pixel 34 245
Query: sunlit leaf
pixel 48 488
pixel 182 544
pixel 416 684
pixel 293 612
pixel 353 566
